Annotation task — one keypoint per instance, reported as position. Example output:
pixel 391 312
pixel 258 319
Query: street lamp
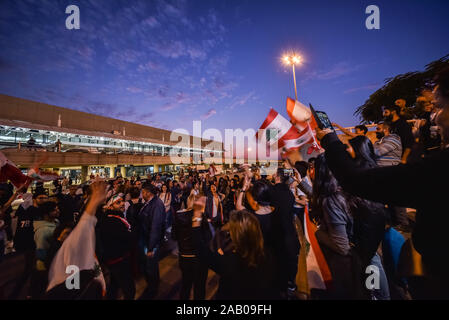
pixel 293 60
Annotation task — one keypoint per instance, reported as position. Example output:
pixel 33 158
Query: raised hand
pixel 246 182
pixel 321 133
pixel 98 196
pixel 198 206
pixel 298 177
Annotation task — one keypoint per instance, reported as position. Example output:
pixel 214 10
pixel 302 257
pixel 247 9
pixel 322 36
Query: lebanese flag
pixel 318 272
pixel 41 175
pixel 302 118
pixel 299 113
pixel 212 170
pixel 9 171
pixel 283 132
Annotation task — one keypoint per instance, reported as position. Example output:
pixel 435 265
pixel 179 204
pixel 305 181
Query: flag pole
pixel 294 80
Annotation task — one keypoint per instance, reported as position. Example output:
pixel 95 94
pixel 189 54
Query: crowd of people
pixel 243 226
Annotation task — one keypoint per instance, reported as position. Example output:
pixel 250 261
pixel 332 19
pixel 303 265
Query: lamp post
pixel 293 60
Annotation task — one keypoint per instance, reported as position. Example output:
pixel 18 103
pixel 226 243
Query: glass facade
pixel 12 136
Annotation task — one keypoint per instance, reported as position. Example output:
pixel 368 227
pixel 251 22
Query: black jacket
pixel 237 280
pixel 283 200
pixel 24 236
pixel 422 185
pixel 152 219
pixel 132 215
pixel 209 208
pixel 68 206
pixel 115 237
pixel 182 231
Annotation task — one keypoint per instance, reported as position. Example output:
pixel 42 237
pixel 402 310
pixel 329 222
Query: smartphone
pixel 322 119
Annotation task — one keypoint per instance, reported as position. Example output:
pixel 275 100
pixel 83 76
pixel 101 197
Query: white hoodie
pixel 78 250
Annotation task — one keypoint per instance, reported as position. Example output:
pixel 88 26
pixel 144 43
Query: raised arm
pixel 345 131
pixel 5 207
pixel 98 196
pixel 246 184
pixel 395 185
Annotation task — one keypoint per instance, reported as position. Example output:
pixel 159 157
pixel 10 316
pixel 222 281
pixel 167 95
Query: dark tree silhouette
pixel 407 86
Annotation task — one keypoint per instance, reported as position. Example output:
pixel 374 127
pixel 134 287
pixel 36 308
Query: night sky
pixel 167 63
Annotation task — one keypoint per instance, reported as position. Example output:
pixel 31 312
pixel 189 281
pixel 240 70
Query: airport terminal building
pixel 78 144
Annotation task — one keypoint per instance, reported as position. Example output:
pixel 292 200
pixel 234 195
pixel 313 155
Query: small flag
pixel 302 118
pixel 280 130
pixel 299 113
pixel 41 175
pixel 212 170
pixel 9 171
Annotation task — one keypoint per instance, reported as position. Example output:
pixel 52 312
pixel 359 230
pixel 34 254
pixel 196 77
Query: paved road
pixel 12 267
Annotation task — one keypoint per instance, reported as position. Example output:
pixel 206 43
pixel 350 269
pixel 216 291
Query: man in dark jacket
pixel 283 201
pixel 176 196
pixel 116 245
pixel 421 185
pixel 152 217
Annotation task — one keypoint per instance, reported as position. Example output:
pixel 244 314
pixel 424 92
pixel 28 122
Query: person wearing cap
pixel 152 219
pixel 116 242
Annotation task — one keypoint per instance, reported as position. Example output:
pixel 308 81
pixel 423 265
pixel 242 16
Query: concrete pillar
pixel 111 171
pixel 123 172
pixel 156 168
pixel 84 173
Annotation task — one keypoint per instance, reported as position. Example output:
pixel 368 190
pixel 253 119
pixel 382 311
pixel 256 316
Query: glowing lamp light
pixel 291 59
pixel 286 60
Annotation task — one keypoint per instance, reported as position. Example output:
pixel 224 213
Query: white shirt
pixel 214 208
pixel 79 250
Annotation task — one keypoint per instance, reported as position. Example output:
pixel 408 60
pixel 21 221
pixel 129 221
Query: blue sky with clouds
pixel 167 63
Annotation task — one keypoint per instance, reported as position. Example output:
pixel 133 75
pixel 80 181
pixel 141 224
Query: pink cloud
pixel 368 87
pixel 208 114
pixel 134 89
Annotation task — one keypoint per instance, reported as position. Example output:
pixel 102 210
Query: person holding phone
pixel 409 185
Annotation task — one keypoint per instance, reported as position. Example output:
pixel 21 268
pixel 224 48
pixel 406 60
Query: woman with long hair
pixel 231 198
pixel 369 217
pixel 214 207
pixel 246 271
pixel 165 196
pixel 256 199
pixel 335 231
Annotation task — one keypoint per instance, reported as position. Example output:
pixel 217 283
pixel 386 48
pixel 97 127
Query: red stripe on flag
pixel 13 174
pixel 290 107
pixel 271 115
pixel 291 134
pixel 324 268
